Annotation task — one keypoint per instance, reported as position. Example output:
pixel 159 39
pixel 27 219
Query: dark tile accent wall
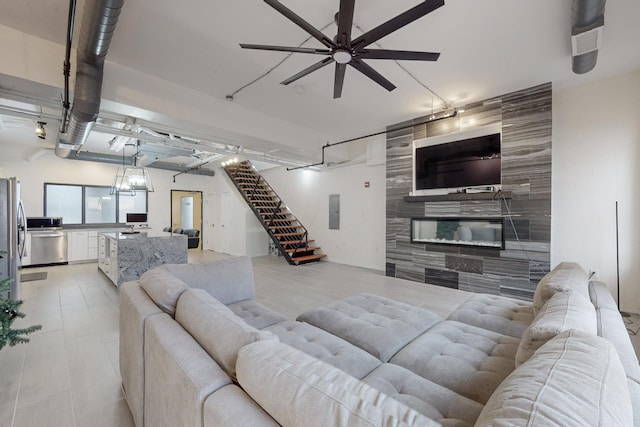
pixel 525 117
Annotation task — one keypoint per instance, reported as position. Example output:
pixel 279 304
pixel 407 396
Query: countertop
pixel 143 234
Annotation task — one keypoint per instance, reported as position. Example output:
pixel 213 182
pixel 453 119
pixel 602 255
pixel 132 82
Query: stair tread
pixel 308 257
pixel 295 242
pixel 288 234
pixel 302 249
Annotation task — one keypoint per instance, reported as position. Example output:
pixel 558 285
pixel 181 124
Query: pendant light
pixel 130 179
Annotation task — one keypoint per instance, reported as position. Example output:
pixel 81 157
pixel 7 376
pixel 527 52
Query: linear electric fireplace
pixel 482 232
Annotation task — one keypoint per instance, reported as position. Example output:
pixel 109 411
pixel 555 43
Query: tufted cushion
pixel 495 313
pixel 430 399
pixel 163 288
pixel 562 312
pixel 574 380
pixel 220 332
pixel 299 390
pixel 326 347
pixel 229 280
pixel 466 359
pixel 567 276
pixel 256 314
pixel 378 325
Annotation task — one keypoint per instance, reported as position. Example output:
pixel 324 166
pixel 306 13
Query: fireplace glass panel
pixel 484 232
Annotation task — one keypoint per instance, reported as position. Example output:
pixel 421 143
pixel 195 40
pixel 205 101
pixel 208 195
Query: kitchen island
pixel 124 257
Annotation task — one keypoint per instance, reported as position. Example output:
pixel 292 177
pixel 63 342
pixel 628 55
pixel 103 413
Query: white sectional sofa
pixel 196 349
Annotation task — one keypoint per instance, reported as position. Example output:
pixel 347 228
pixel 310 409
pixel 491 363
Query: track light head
pixel 40 130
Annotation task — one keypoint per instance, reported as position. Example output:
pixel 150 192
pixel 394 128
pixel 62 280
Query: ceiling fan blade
pixel 339 80
pixel 396 23
pixel 372 74
pixel 315 33
pixel 286 49
pixel 345 21
pixel 404 55
pixel 308 70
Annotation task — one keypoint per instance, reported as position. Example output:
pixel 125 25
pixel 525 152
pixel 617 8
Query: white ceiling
pixel 488 48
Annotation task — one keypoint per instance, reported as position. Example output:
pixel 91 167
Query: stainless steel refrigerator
pixel 12 233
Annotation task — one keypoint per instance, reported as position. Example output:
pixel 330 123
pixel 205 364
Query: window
pixel 137 203
pixel 65 201
pixel 90 204
pixel 99 206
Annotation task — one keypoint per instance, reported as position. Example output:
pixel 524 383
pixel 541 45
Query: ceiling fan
pixel 346 51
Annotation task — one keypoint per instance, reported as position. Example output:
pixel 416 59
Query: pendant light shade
pixel 130 179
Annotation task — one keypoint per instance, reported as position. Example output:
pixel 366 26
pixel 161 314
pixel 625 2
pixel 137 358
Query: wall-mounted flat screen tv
pixel 459 161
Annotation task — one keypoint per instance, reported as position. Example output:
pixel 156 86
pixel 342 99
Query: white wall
pixel 49 168
pixel 247 236
pixel 360 241
pixel 596 162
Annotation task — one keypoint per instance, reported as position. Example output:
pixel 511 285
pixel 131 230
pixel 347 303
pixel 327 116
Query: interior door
pixel 226 218
pixel 186 211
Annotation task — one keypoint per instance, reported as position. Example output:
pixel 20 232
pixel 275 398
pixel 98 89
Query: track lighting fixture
pixel 40 130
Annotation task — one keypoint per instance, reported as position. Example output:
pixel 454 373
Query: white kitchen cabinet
pixel 93 245
pixel 78 246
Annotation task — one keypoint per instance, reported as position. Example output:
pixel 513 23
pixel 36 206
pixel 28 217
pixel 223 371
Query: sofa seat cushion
pixel 575 379
pixel 256 314
pixel 430 399
pixel 563 311
pixel 232 407
pixel 229 280
pixel 566 276
pixel 220 332
pixel 468 360
pixel 299 390
pixel 506 316
pixel 326 347
pixel 163 288
pixel 378 325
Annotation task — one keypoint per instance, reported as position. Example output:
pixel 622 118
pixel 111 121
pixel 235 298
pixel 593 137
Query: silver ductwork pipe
pixel 98 25
pixel 117 160
pixel 586 15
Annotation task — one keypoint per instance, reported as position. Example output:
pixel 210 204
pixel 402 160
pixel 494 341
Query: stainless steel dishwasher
pixel 48 241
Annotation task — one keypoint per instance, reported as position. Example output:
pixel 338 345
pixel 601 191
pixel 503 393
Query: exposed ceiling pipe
pixel 587 18
pixel 117 160
pixel 98 25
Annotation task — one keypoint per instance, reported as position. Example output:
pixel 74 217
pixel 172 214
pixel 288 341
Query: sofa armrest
pixel 232 407
pixel 179 375
pixel 135 308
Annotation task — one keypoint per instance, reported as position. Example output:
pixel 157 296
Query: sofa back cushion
pixel 612 327
pixel 229 280
pixel 562 312
pixel 163 288
pixel 299 390
pixel 575 379
pixel 567 276
pixel 220 332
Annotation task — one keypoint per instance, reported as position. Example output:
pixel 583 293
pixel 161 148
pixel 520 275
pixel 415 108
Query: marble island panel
pixel 125 257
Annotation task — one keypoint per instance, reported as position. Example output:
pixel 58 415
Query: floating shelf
pixel 459 196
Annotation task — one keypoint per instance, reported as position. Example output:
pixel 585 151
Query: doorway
pixel 186 212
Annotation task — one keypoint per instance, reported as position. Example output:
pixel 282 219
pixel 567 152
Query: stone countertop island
pixel 124 257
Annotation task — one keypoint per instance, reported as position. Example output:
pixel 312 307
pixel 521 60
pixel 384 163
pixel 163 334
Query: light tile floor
pixel 68 375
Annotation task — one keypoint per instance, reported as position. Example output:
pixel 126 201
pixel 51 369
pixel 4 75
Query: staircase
pixel 289 235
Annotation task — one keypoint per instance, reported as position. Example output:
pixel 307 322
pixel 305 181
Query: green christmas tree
pixel 9 311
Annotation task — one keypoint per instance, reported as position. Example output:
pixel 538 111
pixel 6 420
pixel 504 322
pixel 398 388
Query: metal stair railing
pixel 302 243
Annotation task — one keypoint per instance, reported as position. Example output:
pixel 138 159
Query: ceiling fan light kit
pixel 343 50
